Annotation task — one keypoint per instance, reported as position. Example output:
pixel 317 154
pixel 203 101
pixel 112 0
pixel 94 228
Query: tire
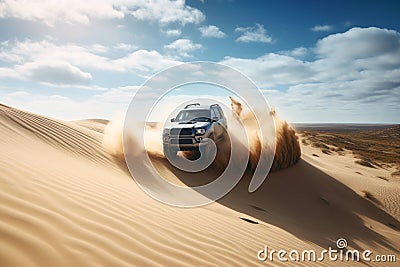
pixel 169 152
pixel 207 145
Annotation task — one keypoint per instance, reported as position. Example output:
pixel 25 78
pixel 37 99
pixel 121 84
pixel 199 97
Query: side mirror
pixel 173 119
pixel 215 119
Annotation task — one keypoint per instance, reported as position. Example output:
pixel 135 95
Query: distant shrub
pixel 396 173
pixel 365 163
pixel 326 151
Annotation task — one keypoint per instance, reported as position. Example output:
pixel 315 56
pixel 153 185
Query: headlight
pixel 200 131
pixel 166 131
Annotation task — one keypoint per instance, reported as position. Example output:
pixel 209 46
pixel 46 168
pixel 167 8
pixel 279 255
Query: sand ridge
pixel 67 202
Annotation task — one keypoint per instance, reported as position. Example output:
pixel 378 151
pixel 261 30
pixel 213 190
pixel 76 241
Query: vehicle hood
pixel 200 124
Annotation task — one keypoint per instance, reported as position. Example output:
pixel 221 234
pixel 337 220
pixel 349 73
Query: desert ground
pixel 66 201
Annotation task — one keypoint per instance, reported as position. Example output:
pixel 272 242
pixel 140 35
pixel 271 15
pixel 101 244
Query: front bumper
pixel 183 142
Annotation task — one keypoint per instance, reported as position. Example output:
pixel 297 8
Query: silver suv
pixel 192 126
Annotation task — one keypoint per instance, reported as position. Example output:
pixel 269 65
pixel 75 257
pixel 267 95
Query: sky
pixel 314 61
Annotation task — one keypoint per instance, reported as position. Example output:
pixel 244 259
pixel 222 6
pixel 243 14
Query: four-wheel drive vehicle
pixel 191 126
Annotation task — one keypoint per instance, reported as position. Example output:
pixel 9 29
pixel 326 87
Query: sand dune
pixel 65 201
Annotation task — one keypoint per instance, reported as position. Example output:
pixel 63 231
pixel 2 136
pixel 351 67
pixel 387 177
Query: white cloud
pixel 98 49
pixel 51 11
pixel 182 47
pixel 21 52
pixel 99 105
pixel 211 31
pixel 77 11
pixel 378 52
pixel 342 83
pixel 376 58
pixel 253 34
pixel 121 95
pixel 298 52
pixel 339 84
pixel 165 11
pixel 172 32
pixel 125 47
pixel 17 54
pixel 57 105
pixel 272 69
pixel 322 28
pixel 359 43
pixel 8 73
pixel 55 73
pixel 144 61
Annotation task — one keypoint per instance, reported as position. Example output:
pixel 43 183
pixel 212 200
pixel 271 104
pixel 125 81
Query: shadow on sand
pixel 305 202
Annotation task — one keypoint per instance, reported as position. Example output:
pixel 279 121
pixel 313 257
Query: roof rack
pixel 194 104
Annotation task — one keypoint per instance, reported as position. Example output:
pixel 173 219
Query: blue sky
pixel 315 61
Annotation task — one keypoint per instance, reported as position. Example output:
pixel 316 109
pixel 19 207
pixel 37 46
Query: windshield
pixel 194 115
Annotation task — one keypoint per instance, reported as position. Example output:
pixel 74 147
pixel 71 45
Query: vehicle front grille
pixel 182 141
pixel 182 131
